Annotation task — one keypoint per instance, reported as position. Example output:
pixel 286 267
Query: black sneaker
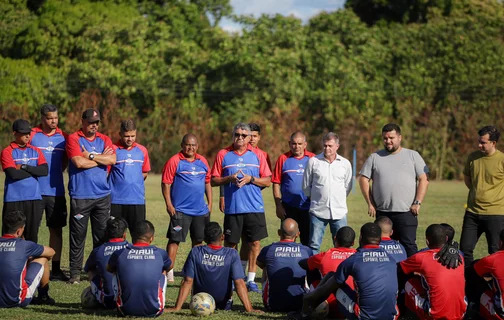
pixel 59 275
pixel 45 300
pixel 75 279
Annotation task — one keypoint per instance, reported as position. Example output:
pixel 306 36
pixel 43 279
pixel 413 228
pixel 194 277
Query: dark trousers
pixel 80 212
pixel 302 217
pixel 33 211
pixel 475 285
pixel 405 227
pixel 132 213
pixel 476 224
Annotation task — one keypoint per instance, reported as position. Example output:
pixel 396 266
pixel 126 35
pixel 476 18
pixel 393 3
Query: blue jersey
pixel 97 261
pixel 247 199
pixel 288 173
pixel 139 280
pixel 25 189
pixel 375 278
pixel 394 249
pixel 14 254
pixel 126 176
pixel 213 269
pixel 53 148
pixel 286 285
pixel 188 181
pixel 89 183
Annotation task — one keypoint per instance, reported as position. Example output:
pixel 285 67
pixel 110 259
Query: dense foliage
pixel 434 67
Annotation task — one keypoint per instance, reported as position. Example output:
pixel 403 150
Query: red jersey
pixel 329 261
pixel 492 266
pixel 446 287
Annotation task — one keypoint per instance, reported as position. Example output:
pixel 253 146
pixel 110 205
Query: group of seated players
pixel 374 281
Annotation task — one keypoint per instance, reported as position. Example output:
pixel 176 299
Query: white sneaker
pixel 170 277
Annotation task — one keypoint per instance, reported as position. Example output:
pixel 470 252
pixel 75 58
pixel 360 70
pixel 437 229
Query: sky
pixel 303 9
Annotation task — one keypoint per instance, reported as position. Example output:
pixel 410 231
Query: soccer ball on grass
pixel 88 300
pixel 202 304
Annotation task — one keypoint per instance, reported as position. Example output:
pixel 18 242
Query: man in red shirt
pixel 438 292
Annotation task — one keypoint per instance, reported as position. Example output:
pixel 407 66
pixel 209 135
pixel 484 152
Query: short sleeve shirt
pixel 329 261
pixel 394 249
pixel 492 266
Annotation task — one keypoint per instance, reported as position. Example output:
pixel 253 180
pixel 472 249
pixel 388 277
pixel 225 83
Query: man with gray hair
pixel 327 181
pixel 243 172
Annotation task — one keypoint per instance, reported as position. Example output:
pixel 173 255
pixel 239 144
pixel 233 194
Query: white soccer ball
pixel 202 304
pixel 321 311
pixel 88 300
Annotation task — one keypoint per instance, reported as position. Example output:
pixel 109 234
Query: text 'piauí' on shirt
pixel 394 249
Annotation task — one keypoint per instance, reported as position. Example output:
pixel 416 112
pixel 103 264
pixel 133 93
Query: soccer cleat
pixel 252 287
pixel 44 300
pixel 59 275
pixel 75 279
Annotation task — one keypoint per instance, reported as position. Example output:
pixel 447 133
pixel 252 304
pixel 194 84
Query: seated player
pixel 393 247
pixel 140 274
pixel 24 266
pixel 284 281
pixel 96 264
pixel 438 291
pixel 375 278
pixel 211 269
pixel 491 306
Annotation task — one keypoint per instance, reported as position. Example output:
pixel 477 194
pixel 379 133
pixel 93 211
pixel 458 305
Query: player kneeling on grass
pixel 284 281
pixel 96 264
pixel 435 291
pixel 140 274
pixel 211 269
pixel 375 278
pixel 23 266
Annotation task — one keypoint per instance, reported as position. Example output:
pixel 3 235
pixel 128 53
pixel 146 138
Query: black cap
pixel 91 115
pixel 21 126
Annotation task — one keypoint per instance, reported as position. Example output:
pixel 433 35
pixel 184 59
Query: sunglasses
pixel 237 135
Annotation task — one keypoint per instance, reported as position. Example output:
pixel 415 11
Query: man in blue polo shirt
pixel 375 277
pixel 212 269
pixel 393 247
pixel 290 200
pixel 23 164
pixel 127 177
pixel 52 141
pixel 24 266
pixel 185 183
pixel 243 171
pixel 285 280
pixel 96 264
pixel 140 275
pixel 90 153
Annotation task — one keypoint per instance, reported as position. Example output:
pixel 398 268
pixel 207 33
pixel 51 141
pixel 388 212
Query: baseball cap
pixel 91 115
pixel 21 126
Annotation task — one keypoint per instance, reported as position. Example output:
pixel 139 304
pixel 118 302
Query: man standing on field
pixel 400 182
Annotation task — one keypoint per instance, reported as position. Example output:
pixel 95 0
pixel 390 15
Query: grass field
pixel 444 203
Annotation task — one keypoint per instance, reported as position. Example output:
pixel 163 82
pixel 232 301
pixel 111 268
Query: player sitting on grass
pixel 284 281
pixel 96 264
pixel 393 247
pixel 211 269
pixel 438 291
pixel 140 274
pixel 24 266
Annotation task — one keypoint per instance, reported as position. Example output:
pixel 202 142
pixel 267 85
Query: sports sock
pixel 56 265
pixel 244 265
pixel 251 276
pixel 169 276
pixel 43 291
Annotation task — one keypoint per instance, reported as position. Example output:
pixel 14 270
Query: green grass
pixel 444 203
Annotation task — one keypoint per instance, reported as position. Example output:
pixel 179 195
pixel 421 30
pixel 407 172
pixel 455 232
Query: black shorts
pixel 181 224
pixel 33 212
pixel 252 225
pixel 55 210
pixel 132 213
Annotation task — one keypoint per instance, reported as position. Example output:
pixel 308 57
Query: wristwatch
pixel 416 202
pixel 252 179
pixel 91 156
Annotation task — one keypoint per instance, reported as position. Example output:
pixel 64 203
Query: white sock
pixel 251 276
pixel 169 275
pixel 244 265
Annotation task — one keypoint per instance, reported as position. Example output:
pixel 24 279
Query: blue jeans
pixel 317 230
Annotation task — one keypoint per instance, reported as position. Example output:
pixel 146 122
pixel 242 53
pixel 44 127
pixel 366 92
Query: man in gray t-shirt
pixel 400 179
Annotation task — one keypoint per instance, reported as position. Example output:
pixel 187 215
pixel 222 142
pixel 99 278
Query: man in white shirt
pixel 327 181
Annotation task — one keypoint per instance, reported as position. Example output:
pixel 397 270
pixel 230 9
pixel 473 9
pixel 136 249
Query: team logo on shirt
pixel 25 158
pixel 213 260
pixel 288 252
pixel 240 164
pixel 193 172
pixel 129 161
pixel 8 246
pixel 50 147
pixel 300 170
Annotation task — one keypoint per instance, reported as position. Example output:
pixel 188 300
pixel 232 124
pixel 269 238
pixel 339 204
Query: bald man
pixel 393 247
pixel 185 183
pixel 283 279
pixel 287 179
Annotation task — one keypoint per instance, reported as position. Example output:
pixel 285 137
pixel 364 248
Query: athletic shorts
pixel 55 210
pixel 100 295
pixel 34 273
pixel 181 224
pixel 132 213
pixel 33 212
pixel 252 225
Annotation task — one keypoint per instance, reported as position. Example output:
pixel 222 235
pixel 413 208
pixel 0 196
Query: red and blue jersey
pixel 14 255
pixel 247 199
pixel 213 269
pixel 53 148
pixel 445 287
pixel 286 284
pixel 394 249
pixel 25 189
pixel 492 266
pixel 288 173
pixel 89 183
pixel 187 179
pixel 375 280
pixel 139 279
pixel 97 262
pixel 126 176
